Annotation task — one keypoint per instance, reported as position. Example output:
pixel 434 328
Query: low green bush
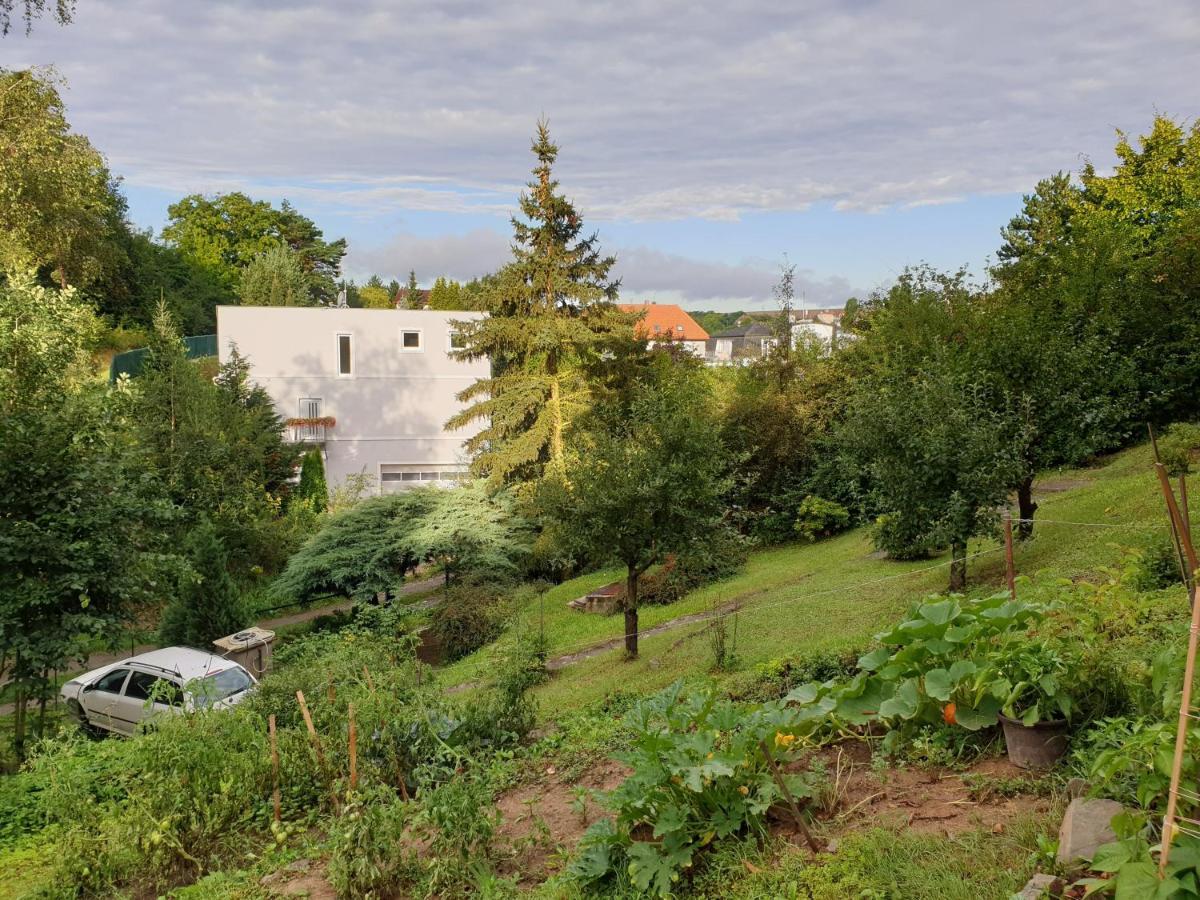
pixel 470 616
pixel 717 559
pixel 819 518
pixel 698 776
pixel 371 852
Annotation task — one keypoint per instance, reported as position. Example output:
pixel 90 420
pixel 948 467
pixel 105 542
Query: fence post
pixel 1009 566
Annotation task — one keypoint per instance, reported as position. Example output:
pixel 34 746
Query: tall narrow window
pixel 345 355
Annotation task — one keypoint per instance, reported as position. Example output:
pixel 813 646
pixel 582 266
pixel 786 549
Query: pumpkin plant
pixel 940 665
pixel 699 775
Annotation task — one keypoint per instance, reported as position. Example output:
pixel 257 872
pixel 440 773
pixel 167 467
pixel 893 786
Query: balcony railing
pixel 309 431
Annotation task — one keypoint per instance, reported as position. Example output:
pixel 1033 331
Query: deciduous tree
pixel 647 479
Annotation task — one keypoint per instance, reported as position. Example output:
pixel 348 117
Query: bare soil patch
pixel 1058 485
pixel 931 800
pixel 300 879
pixel 540 818
pixel 542 822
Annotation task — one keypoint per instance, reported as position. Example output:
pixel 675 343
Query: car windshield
pixel 218 686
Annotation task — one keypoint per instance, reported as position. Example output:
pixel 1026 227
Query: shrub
pixel 312 485
pixel 896 536
pixel 371 854
pixel 469 617
pixel 718 558
pixel 1153 566
pixel 817 518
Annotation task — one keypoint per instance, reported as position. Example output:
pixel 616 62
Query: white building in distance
pixel 372 387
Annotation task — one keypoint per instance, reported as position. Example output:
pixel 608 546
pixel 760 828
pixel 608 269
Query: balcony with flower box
pixel 311 430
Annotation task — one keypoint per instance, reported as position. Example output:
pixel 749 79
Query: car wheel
pixel 81 719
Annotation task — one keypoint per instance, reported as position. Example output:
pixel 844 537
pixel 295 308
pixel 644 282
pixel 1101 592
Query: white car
pixel 120 696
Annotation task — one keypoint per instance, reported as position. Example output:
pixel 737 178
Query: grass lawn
pixel 830 595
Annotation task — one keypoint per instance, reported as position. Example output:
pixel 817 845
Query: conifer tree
pixel 313 487
pixel 208 605
pixel 551 316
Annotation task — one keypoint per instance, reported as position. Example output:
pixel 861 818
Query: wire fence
pixel 614 642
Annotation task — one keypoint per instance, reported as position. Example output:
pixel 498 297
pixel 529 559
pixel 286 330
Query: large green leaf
pixel 938 684
pixel 941 612
pixel 871 661
pixel 983 715
pixel 904 703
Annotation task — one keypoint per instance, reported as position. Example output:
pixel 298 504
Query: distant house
pixel 823 324
pixel 667 323
pixel 740 344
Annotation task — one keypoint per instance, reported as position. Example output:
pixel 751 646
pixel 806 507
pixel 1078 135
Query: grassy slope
pixel 830 595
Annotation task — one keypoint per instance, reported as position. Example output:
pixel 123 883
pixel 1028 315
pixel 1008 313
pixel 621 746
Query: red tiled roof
pixel 665 320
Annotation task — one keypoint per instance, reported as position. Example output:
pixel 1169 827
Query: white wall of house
pixel 391 405
pixel 695 347
pixel 825 332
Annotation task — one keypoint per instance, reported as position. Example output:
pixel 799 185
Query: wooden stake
pixel 1183 568
pixel 353 750
pixel 1183 506
pixel 316 742
pixel 778 776
pixel 312 731
pixel 1177 520
pixel 370 682
pixel 274 767
pixel 1009 566
pixel 1189 671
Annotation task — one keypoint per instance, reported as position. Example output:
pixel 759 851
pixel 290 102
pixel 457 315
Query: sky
pixel 704 142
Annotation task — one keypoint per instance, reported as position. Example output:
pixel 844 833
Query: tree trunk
pixel 1025 509
pixel 557 450
pixel 631 614
pixel 958 566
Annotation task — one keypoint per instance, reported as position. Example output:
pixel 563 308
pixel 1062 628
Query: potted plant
pixel 1026 677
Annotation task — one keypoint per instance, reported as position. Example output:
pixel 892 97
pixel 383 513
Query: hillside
pixel 832 595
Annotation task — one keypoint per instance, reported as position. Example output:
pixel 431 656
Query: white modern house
pixel 372 387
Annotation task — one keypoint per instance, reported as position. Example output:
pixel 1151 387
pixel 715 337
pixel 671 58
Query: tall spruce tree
pixel 551 316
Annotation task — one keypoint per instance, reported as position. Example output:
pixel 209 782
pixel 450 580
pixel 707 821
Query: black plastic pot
pixel 1037 746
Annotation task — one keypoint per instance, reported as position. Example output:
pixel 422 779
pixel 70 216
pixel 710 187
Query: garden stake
pixel 312 732
pixel 1183 506
pixel 1185 701
pixel 353 751
pixel 778 776
pixel 1009 566
pixel 370 683
pixel 274 766
pixel 316 742
pixel 1183 569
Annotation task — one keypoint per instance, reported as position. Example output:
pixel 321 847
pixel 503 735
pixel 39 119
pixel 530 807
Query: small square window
pixel 410 340
pixel 458 340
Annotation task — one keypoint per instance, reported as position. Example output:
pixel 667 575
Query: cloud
pixel 665 109
pixel 458 256
pixel 650 274
pixel 645 273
